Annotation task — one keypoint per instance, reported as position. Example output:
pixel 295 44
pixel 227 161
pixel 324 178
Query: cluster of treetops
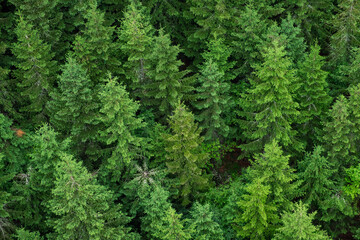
pixel 117 119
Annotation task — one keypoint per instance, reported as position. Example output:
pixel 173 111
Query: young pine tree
pixel 174 227
pixel 83 208
pixel 202 225
pixel 35 71
pixel 297 224
pixel 183 153
pixel 166 84
pixel 268 105
pixel 119 123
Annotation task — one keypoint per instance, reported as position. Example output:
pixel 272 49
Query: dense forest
pixel 180 119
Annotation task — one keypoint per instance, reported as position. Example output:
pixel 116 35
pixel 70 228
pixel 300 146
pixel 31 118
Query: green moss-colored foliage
pixel 118 125
pixel 83 209
pixel 174 227
pixel 35 71
pixel 354 111
pixel 268 106
pixel 297 224
pixel 183 153
pixel 22 234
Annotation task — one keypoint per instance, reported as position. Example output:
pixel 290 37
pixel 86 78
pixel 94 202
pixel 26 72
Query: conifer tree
pixel 274 168
pixel 118 117
pixel 212 101
pixel 354 111
pixel 22 234
pixel 202 224
pixel 352 71
pixel 6 93
pixel 136 37
pixel 315 172
pixel 257 212
pixel 297 224
pixel 74 104
pixel 337 136
pixel 94 48
pixel 312 95
pixel 166 84
pixel 84 209
pixel 35 70
pixel 268 105
pixel 174 227
pixel 183 153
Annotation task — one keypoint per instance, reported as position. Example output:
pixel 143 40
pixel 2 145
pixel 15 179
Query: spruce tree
pixel 354 111
pixel 297 224
pixel 202 223
pixel 22 234
pixel 183 153
pixel 166 84
pixel 268 106
pixel 35 71
pixel 84 209
pixel 212 101
pixel 6 93
pixel 119 123
pixel 174 227
pixel 257 213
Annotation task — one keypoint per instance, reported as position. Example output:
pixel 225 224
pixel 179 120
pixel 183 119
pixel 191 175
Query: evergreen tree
pixel 22 234
pixel 297 224
pixel 257 212
pixel 118 117
pixel 166 84
pixel 183 153
pixel 94 48
pixel 6 93
pixel 174 227
pixel 202 223
pixel 354 111
pixel 268 105
pixel 212 101
pixel 315 173
pixel 84 209
pixel 337 136
pixel 35 70
pixel 136 37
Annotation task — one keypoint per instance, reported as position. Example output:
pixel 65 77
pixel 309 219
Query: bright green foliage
pixel 202 224
pixel 257 213
pixel 74 104
pixel 315 174
pixel 183 154
pixel 174 227
pixel 94 48
pixel 135 37
pixel 338 137
pixel 347 35
pixel 268 105
pixel 274 168
pixel 35 70
pixel 297 224
pixel 166 84
pixel 353 181
pixel 212 100
pixel 84 209
pixel 22 234
pixel 155 207
pixel 312 95
pixel 118 117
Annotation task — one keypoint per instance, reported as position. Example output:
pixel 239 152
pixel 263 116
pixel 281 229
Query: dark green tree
pixel 268 106
pixel 35 71
pixel 183 153
pixel 297 224
pixel 354 111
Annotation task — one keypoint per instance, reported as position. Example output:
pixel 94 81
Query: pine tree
pixel 35 70
pixel 257 213
pixel 312 95
pixel 212 101
pixel 174 227
pixel 118 117
pixel 297 224
pixel 166 84
pixel 183 153
pixel 315 173
pixel 6 93
pixel 136 37
pixel 268 105
pixel 202 224
pixel 94 48
pixel 84 209
pixel 274 168
pixel 22 234
pixel 337 136
pixel 74 104
pixel 354 111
